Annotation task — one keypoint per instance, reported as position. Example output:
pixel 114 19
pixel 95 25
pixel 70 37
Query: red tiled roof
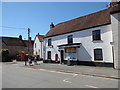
pixel 40 37
pixel 30 43
pixel 12 41
pixel 81 23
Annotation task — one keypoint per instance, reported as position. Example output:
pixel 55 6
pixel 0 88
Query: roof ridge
pixel 83 16
pixel 95 19
pixel 8 37
pixel 39 35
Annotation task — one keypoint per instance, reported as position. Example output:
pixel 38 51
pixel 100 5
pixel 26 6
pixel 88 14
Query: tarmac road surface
pixel 14 76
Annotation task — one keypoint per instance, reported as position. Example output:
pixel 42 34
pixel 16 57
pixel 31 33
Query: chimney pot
pixel 20 37
pixel 52 25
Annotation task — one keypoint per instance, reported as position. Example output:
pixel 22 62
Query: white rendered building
pixel 87 39
pixel 38 46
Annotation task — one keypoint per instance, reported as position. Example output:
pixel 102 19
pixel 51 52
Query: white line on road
pixel 75 75
pixel 91 86
pixel 66 80
pixel 53 71
pixel 62 72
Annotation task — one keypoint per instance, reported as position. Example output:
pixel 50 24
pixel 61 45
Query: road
pixel 14 76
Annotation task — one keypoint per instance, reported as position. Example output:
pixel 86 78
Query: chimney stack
pixel 52 25
pixel 113 3
pixel 20 37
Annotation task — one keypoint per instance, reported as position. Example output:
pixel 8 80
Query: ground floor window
pixel 70 53
pixel 98 54
pixel 49 55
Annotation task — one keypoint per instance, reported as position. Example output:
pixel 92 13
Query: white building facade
pixel 88 39
pixel 38 46
pixel 115 21
pixel 83 46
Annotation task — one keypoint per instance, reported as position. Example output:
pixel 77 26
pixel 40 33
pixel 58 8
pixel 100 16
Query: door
pixel 62 55
pixel 49 55
pixel 56 57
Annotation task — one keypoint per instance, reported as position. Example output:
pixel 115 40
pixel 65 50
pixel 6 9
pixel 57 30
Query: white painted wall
pixel 39 47
pixel 115 18
pixel 86 50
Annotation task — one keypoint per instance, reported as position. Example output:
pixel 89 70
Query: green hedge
pixel 5 55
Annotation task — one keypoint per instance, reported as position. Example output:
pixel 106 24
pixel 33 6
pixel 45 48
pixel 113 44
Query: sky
pixel 17 17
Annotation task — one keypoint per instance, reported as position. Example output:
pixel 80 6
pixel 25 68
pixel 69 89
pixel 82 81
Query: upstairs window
pixel 96 35
pixel 70 39
pixel 98 54
pixel 49 42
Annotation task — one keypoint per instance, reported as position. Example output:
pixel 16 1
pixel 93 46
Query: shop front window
pixel 70 53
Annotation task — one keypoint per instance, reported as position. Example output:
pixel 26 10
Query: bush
pixel 19 52
pixel 5 55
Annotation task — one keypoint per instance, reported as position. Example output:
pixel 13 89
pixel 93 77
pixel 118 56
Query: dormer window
pixel 49 42
pixel 96 35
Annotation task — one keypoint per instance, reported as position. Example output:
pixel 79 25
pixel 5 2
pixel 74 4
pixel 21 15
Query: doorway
pixel 49 55
pixel 62 55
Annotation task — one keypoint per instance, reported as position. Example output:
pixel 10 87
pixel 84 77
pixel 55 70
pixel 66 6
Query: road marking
pixel 66 80
pixel 91 86
pixel 75 75
pixel 70 73
pixel 51 71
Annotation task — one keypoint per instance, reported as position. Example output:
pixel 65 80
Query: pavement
pixel 105 72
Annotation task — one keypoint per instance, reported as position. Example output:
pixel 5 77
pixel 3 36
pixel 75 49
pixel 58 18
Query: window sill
pixel 97 41
pixel 98 61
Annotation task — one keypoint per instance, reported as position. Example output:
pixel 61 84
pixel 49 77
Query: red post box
pixel 22 56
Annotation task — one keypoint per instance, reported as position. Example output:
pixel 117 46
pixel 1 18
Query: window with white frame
pixel 70 39
pixel 96 35
pixel 98 55
pixel 49 42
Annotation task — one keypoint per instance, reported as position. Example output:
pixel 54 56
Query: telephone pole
pixel 28 45
pixel 28 38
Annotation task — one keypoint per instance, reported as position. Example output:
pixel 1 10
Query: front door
pixel 49 55
pixel 62 55
pixel 56 57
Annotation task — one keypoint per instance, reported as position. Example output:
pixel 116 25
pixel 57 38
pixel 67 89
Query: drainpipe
pixel 41 49
pixel 113 57
pixel 44 50
pixel 112 43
